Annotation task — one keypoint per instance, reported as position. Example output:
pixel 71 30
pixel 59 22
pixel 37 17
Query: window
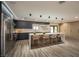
pixel 51 29
pixel 54 29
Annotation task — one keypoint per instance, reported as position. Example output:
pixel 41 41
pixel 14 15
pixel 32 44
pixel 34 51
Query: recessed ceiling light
pixel 49 17
pixel 75 17
pixel 30 14
pixel 40 15
pixel 56 18
pixel 61 2
pixel 62 19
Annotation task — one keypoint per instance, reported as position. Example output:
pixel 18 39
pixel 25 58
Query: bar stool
pixel 55 39
pixel 40 40
pixel 58 38
pixel 51 39
pixel 46 39
pixel 35 39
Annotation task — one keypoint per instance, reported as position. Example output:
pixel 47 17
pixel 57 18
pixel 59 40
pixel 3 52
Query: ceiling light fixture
pixel 30 14
pixel 61 2
pixel 40 15
pixel 49 17
pixel 75 17
pixel 62 19
pixel 56 18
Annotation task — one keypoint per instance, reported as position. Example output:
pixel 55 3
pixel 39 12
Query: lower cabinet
pixel 22 36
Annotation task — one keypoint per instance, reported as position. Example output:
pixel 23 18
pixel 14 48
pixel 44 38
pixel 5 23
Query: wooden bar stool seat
pixel 41 40
pixel 46 39
pixel 53 39
pixel 58 38
pixel 35 39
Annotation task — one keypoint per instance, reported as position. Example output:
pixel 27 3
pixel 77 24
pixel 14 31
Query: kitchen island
pixel 38 40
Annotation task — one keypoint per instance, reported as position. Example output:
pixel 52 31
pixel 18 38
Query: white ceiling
pixel 67 10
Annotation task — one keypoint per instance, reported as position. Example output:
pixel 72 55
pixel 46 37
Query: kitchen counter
pixel 31 34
